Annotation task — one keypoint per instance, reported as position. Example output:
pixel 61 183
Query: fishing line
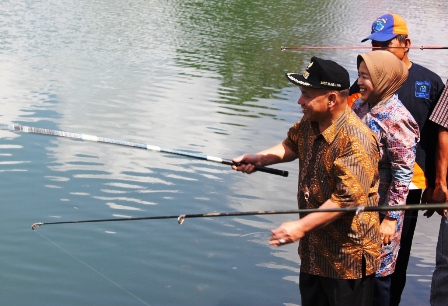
pixel 359 47
pixel 181 218
pixel 34 130
pixel 93 269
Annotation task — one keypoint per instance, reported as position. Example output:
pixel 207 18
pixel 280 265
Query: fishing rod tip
pixel 36 225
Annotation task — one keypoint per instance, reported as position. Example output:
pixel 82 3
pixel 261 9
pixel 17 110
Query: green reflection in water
pixel 241 40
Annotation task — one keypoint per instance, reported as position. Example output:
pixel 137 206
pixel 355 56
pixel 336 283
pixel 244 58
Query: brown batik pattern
pixel 340 164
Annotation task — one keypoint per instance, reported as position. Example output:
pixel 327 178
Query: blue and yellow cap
pixel 386 27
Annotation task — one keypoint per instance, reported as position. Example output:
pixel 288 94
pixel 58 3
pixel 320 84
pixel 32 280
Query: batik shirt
pixel 419 94
pixel 440 113
pixel 340 164
pixel 398 135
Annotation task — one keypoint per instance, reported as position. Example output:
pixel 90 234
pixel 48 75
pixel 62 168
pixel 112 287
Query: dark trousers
pixel 324 291
pixel 398 278
pixel 381 296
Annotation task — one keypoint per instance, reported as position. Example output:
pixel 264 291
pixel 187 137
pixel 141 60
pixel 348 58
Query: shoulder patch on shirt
pixel 422 89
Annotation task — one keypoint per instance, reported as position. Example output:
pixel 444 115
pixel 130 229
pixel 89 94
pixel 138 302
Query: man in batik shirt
pixel 338 157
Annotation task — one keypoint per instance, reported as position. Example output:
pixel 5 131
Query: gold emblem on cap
pixel 306 74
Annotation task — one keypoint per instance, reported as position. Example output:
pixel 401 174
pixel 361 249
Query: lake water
pixel 200 76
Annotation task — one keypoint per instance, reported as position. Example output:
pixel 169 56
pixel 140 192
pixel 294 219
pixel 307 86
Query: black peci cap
pixel 320 73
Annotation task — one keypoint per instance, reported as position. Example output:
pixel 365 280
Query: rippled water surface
pixel 200 76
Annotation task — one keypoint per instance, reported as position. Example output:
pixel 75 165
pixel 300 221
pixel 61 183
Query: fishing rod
pixel 29 129
pixel 359 47
pixel 181 218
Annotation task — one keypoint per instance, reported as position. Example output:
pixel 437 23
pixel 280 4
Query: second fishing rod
pixel 180 218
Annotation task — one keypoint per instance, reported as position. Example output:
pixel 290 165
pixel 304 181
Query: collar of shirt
pixel 330 133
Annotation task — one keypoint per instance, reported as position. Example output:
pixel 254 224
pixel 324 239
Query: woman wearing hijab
pixel 380 74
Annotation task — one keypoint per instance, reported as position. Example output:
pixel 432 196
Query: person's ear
pixel 332 99
pixel 407 42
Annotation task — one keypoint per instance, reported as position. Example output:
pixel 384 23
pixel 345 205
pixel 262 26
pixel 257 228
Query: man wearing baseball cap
pixel 338 155
pixel 419 94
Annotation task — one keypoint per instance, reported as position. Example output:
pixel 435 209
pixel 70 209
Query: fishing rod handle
pixel 259 168
pixel 272 171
